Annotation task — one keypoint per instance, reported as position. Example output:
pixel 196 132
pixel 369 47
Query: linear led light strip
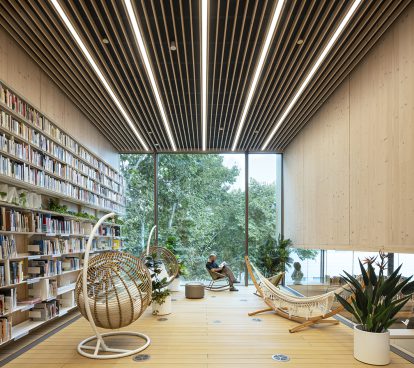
pixel 204 30
pixel 97 71
pixel 314 69
pixel 258 71
pixel 150 72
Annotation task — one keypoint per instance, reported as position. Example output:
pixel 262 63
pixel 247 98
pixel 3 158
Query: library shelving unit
pixel 52 191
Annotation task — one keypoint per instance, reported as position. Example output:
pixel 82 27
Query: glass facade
pixel 201 205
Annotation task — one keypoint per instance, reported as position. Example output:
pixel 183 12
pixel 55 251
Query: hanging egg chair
pixel 112 291
pixel 168 261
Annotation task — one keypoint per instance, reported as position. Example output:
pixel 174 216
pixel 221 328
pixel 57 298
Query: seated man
pixel 223 269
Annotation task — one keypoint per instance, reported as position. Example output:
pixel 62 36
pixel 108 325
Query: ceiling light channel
pixel 312 72
pixel 204 62
pixel 259 68
pixel 149 70
pixel 98 72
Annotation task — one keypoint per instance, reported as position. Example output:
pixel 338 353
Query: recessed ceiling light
pixel 204 50
pixel 98 71
pixel 148 67
pixel 259 67
pixel 156 144
pixel 173 47
pixel 312 72
pixel 299 41
pixel 105 40
pixel 221 128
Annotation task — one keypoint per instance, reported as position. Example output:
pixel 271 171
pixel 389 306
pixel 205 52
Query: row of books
pixel 38 177
pixel 18 105
pixel 8 246
pixel 51 148
pixel 44 268
pixel 56 246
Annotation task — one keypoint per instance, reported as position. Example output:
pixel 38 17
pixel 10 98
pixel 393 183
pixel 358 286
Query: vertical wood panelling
pixel 326 171
pixel 357 178
pixel 372 99
pixel 21 73
pixel 293 191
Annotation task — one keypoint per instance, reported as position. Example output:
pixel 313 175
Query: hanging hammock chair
pixel 112 291
pixel 305 310
pixel 168 261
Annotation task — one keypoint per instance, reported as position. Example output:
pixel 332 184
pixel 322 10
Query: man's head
pixel 212 257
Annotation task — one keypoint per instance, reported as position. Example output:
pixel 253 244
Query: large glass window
pixel 201 206
pixel 138 170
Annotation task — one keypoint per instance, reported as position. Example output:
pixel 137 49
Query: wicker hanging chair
pixel 117 289
pixel 169 262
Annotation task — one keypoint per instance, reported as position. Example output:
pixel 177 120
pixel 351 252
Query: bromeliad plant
pixel 376 299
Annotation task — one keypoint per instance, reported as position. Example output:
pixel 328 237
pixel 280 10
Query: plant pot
pixel 162 309
pixel 371 347
pixel 175 285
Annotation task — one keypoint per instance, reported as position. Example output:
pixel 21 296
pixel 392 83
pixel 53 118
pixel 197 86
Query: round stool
pixel 194 290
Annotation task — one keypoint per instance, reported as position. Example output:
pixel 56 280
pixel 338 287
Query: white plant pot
pixel 175 285
pixel 162 309
pixel 370 347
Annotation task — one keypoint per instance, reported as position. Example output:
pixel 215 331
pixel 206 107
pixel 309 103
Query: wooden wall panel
pixel 372 98
pixel 326 173
pixel 293 191
pixel 20 72
pixel 379 148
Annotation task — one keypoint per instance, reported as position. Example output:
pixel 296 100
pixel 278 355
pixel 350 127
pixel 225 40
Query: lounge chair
pixel 307 311
pixel 218 281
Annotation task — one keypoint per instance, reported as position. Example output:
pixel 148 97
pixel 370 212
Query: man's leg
pixel 229 273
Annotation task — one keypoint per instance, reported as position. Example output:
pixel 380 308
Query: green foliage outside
pixel 199 212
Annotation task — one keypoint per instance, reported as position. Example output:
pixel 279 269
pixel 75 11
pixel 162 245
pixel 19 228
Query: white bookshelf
pixel 33 144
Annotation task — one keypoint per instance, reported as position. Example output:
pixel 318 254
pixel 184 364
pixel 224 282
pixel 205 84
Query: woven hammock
pixel 304 307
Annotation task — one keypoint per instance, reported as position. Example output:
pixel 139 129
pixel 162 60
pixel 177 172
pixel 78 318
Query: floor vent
pixel 141 357
pixel 280 358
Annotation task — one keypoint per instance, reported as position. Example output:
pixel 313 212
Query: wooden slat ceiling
pixel 237 31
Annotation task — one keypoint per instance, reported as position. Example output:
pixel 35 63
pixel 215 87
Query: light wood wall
pixel 20 72
pixel 349 174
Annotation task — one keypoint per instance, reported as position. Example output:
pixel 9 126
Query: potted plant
pixel 374 302
pixel 171 245
pixel 161 296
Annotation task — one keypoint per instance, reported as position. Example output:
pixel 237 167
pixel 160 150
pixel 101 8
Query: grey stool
pixel 194 290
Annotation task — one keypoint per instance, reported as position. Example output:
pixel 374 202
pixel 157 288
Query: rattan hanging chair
pixel 117 289
pixel 169 262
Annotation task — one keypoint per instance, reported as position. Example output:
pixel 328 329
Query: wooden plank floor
pixel 213 332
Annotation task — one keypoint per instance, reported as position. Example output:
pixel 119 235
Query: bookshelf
pixel 35 152
pixel 42 248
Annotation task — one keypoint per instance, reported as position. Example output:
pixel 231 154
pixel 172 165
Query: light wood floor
pixel 213 332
